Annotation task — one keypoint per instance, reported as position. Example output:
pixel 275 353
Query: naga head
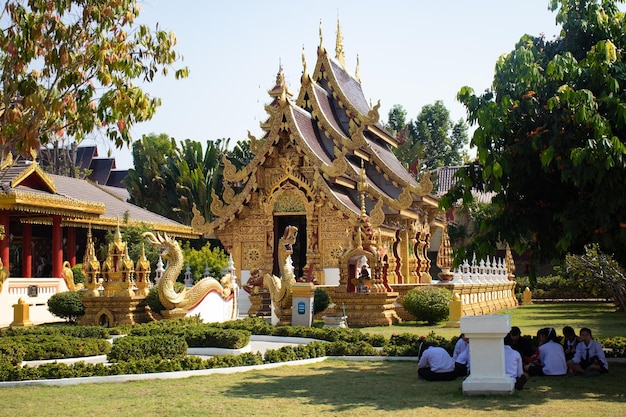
pixel 163 241
pixel 288 239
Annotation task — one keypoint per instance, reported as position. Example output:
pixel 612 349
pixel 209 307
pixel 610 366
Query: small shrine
pixel 115 290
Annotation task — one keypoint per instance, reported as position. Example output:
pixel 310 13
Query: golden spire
pixel 362 187
pixel 305 72
pixel 339 46
pixel 321 37
pixel 118 234
pixel 356 71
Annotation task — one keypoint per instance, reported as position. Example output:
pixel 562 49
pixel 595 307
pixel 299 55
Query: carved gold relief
pixel 377 216
pixel 251 256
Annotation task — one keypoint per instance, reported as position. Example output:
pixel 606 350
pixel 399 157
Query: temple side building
pixel 324 161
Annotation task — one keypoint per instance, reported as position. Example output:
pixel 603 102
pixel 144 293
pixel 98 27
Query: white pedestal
pixel 486 336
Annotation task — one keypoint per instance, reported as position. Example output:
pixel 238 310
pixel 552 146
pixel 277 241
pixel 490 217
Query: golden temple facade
pixel 324 159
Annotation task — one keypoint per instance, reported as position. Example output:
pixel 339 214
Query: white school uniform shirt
pixel 595 349
pixel 552 357
pixel 461 352
pixel 512 362
pixel 437 359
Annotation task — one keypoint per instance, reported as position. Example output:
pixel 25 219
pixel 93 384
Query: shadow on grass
pixel 394 387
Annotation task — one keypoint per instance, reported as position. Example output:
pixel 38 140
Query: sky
pixel 411 53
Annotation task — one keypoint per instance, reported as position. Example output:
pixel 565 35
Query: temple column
pixel 71 244
pixel 27 250
pixel 4 243
pixel 57 247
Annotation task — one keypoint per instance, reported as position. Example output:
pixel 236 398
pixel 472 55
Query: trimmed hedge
pixel 137 348
pixel 41 347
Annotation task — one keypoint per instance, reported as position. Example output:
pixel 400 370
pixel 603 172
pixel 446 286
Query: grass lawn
pixel 327 388
pixel 337 387
pixel 602 318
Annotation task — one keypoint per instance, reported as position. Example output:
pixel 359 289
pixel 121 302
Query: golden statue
pixel 188 298
pixel 68 277
pixel 4 274
pixel 280 287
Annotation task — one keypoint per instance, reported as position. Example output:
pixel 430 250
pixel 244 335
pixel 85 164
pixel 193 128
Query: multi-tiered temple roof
pixel 336 132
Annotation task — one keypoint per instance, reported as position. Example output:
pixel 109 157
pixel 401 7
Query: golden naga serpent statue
pixel 188 298
pixel 280 287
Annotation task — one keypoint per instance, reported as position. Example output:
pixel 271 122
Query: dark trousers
pixel 429 375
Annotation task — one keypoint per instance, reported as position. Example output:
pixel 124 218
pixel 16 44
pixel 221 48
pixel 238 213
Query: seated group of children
pixel 576 356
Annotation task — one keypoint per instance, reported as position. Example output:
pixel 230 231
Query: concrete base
pixel 499 386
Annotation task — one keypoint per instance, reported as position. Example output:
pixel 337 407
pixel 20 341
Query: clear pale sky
pixel 410 53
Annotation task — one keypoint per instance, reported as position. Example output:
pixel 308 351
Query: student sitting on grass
pixel 569 342
pixel 461 355
pixel 551 355
pixel 513 365
pixel 589 359
pixel 435 363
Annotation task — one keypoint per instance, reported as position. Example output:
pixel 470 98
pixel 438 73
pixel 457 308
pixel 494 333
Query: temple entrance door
pixel 299 248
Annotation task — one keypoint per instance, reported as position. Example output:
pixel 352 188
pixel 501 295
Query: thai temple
pixel 325 165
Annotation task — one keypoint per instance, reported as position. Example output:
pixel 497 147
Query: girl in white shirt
pixel 589 357
pixel 551 355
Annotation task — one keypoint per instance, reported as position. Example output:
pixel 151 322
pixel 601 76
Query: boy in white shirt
pixel 435 364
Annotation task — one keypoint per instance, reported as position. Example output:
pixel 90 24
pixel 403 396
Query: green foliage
pixel 561 287
pixel 72 67
pixel 407 344
pixel 550 139
pixel 79 277
pixel 198 260
pixel 432 138
pixel 66 305
pixel 595 269
pixel 97 332
pixel 321 300
pixel 428 304
pixel 132 348
pixel 39 347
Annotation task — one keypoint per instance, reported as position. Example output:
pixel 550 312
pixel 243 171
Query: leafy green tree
pixel 146 181
pixel 431 141
pixel 69 67
pixel 550 139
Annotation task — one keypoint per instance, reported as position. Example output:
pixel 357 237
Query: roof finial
pixel 339 46
pixel 321 37
pixel 304 70
pixel 356 71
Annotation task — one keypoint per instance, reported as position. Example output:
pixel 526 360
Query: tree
pixel 68 67
pixel 146 181
pixel 595 269
pixel 169 180
pixel 550 139
pixel 432 140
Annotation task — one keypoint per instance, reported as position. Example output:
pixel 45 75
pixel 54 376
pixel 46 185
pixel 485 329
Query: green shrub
pixel 153 301
pixel 134 348
pixel 79 277
pixel 66 305
pixel 321 300
pixel 431 305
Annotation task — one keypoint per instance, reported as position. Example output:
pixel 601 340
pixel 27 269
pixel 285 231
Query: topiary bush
pixel 66 305
pixel 321 300
pixel 431 305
